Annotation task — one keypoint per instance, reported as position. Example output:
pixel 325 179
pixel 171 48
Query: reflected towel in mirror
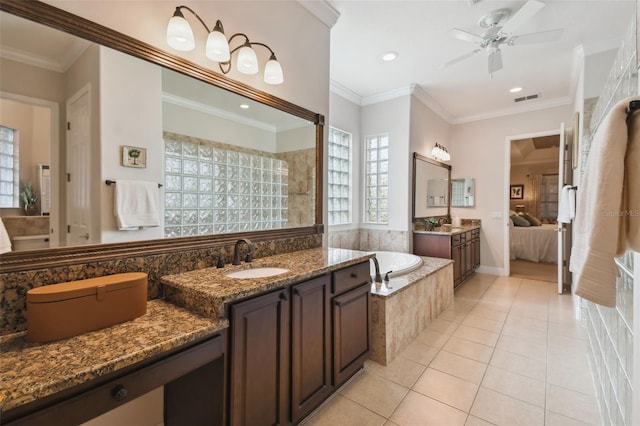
pixel 136 204
pixel 5 242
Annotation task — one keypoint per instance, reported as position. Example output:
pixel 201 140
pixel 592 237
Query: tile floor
pixel 511 351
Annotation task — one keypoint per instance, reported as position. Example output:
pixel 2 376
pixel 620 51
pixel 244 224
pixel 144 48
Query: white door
pixel 564 178
pixel 78 167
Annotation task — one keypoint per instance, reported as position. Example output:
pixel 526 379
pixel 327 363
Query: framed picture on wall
pixel 517 192
pixel 133 156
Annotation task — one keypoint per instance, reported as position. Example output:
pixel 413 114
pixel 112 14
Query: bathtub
pixel 399 263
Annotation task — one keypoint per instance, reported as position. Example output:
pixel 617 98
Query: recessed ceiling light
pixel 389 56
pixel 515 89
pixel 244 106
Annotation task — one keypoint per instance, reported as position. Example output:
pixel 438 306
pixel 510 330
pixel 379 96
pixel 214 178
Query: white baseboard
pixel 492 270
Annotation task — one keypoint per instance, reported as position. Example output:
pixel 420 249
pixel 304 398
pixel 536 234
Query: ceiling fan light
pixel 273 71
pixel 217 48
pixel 247 60
pixel 179 33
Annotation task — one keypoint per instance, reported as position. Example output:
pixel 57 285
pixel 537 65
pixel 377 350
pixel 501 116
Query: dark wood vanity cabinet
pixel 259 360
pixel 310 346
pixel 462 247
pixel 351 318
pixel 286 344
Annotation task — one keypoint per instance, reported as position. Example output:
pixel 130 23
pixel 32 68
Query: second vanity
pixel 461 244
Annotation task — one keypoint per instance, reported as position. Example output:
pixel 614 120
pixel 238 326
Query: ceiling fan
pixel 500 28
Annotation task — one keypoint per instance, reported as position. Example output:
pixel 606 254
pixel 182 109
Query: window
pixel 339 181
pixel 549 197
pixel 376 179
pixel 9 177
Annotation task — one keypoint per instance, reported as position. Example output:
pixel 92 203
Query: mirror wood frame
pixel 51 16
pixel 417 157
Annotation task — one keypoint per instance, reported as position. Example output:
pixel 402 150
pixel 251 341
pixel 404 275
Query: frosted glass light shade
pixel 247 60
pixel 273 72
pixel 179 34
pixel 217 47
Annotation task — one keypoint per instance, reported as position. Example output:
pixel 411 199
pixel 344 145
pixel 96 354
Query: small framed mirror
pixel 463 192
pixel 431 188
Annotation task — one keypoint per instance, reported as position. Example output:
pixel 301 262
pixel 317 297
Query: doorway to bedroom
pixel 533 207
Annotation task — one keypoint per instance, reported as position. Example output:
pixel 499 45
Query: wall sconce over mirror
pixel 440 153
pixel 218 49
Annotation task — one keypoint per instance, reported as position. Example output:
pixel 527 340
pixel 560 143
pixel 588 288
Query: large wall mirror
pixel 431 188
pixel 231 160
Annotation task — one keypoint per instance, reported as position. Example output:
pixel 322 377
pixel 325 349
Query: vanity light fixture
pixel 440 153
pixel 180 37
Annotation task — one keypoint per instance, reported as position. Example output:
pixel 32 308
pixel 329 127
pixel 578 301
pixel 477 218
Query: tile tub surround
pixel 346 239
pixel 207 291
pixel 415 299
pixel 30 371
pixel 384 240
pixel 14 285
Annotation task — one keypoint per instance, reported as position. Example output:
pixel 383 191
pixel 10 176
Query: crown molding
pixel 431 103
pixel 344 92
pixel 520 109
pixel 217 112
pixel 61 64
pixel 322 10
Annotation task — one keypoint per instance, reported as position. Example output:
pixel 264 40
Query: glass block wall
pixel 610 330
pixel 211 189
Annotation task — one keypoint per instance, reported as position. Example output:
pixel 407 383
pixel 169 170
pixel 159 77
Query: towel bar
pixel 113 182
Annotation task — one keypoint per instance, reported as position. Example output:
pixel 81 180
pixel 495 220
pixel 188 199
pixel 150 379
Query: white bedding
pixel 534 243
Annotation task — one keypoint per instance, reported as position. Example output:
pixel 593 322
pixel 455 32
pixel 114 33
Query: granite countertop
pixel 206 291
pixel 396 284
pixel 452 231
pixel 29 371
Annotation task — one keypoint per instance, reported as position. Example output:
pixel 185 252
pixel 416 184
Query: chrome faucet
pixel 378 277
pixel 236 251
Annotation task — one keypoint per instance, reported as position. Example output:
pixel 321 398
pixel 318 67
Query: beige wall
pixel 479 150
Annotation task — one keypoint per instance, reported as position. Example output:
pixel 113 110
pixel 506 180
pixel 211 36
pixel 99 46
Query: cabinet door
pixel 468 258
pixel 476 251
pixel 458 259
pixel 310 346
pixel 259 361
pixel 351 313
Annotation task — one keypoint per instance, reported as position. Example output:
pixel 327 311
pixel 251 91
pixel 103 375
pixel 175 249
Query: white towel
pixel 136 204
pixel 5 242
pixel 567 204
pixel 601 222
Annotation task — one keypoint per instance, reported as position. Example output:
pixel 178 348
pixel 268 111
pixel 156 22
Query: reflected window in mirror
pixel 339 177
pixel 377 179
pixel 463 192
pixel 8 167
pixel 211 189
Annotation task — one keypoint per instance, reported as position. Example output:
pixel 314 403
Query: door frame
pixel 54 156
pixel 506 190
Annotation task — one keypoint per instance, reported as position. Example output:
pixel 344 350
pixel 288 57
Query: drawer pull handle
pixel 119 393
pixel 354 275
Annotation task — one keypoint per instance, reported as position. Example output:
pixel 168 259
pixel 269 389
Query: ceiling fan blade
pixel 525 13
pixel 540 37
pixel 495 61
pixel 466 36
pixel 459 58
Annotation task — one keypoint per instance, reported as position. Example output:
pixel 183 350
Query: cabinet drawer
pixel 351 277
pixel 456 239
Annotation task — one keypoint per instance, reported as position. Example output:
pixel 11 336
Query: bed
pixel 534 243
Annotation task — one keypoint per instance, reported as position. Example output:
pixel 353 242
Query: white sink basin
pixel 257 273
